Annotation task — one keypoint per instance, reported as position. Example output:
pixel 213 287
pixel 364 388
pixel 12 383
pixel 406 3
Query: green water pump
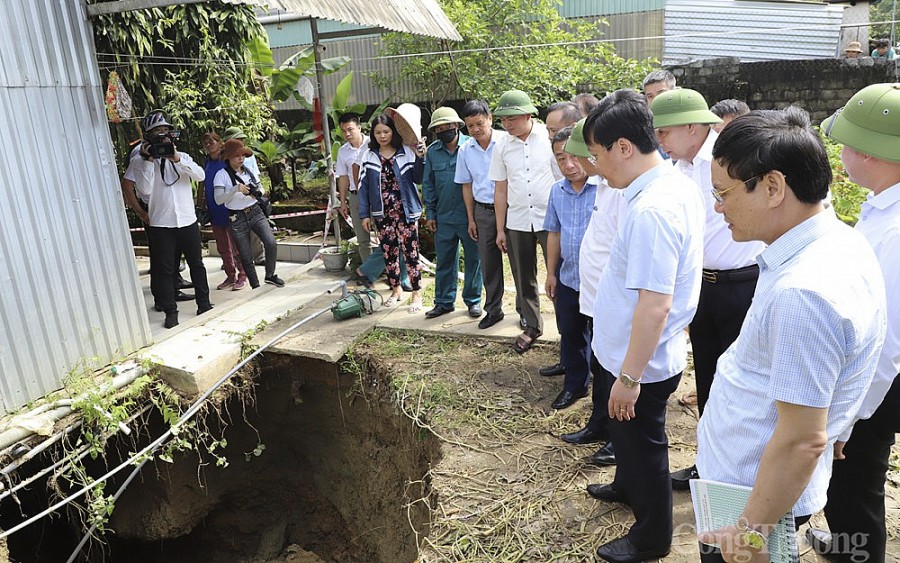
pixel 355 304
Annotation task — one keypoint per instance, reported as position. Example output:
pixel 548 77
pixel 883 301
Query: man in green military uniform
pixel 447 218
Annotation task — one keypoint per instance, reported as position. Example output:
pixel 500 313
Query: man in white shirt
pixel 869 129
pixel 793 380
pixel 522 175
pixel 163 175
pixel 646 297
pixel 682 121
pixel 347 155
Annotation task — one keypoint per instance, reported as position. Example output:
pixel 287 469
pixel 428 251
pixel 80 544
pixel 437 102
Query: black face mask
pixel 447 136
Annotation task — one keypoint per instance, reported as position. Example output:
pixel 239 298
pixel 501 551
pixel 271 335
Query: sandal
pixel 525 340
pixel 415 307
pixel 688 400
pixel 391 301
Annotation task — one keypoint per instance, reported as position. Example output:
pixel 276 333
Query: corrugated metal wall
pixel 69 288
pixel 363 52
pixel 751 31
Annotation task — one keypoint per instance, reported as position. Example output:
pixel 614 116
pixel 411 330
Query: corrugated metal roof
pixel 750 30
pixel 588 8
pixel 71 290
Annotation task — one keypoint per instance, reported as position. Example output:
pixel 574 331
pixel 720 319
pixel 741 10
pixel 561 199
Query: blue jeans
pixel 447 239
pixel 253 219
pixel 373 266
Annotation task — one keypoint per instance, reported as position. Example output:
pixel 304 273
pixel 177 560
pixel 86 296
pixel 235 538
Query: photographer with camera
pixel 163 175
pixel 239 190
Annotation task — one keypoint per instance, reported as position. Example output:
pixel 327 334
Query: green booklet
pixel 718 505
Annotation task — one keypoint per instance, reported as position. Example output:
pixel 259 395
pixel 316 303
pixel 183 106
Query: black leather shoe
pixel 171 320
pixel 605 456
pixel 182 296
pixel 550 371
pixel 183 284
pixel 584 436
pixel 157 307
pixel 681 479
pixel 475 310
pixel 567 399
pixel 822 541
pixel 438 311
pixel 621 551
pixel 204 308
pixel 490 320
pixel 606 493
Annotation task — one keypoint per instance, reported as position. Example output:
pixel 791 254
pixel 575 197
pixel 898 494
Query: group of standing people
pixel 660 217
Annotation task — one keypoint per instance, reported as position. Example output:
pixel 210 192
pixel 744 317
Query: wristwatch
pixel 750 536
pixel 628 381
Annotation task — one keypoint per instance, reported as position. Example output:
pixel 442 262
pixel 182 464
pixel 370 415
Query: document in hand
pixel 718 505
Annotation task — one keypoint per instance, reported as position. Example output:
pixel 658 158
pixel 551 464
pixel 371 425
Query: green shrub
pixel 846 197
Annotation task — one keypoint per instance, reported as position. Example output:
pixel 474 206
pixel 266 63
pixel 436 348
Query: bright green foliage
pixel 882 11
pixel 549 73
pixel 200 74
pixel 846 197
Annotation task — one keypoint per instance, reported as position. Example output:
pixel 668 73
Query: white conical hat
pixel 408 120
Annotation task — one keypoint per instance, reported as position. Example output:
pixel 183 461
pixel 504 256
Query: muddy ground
pixel 506 487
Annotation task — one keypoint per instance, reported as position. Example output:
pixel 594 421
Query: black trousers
pixel 642 470
pixel 167 246
pixel 711 554
pixel 855 509
pixel 574 339
pixel 720 314
pixel 599 421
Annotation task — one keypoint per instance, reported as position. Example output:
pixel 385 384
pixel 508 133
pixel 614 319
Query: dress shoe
pixel 550 371
pixel 157 307
pixel 438 311
pixel 606 493
pixel 183 284
pixel 605 456
pixel 681 480
pixel 822 541
pixel 490 320
pixel 584 436
pixel 621 551
pixel 567 399
pixel 475 310
pixel 182 296
pixel 171 320
pixel 204 308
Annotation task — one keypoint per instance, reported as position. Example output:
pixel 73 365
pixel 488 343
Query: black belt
pixel 485 205
pixel 731 276
pixel 245 211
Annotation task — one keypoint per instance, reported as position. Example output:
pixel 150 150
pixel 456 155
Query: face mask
pixel 447 136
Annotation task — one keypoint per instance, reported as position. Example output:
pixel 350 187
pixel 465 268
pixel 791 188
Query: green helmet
pixel 233 133
pixel 443 116
pixel 870 122
pixel 576 145
pixel 514 102
pixel 682 106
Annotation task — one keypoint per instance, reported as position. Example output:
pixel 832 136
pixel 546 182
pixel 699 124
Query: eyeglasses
pixel 719 193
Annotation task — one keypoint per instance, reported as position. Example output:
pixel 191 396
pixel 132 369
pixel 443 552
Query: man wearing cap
pixel 472 167
pixel 447 219
pixel 347 155
pixel 592 259
pixel 869 129
pixel 682 121
pixel 883 50
pixel 166 183
pixel 853 50
pixel 644 301
pixel 521 170
pixel 797 373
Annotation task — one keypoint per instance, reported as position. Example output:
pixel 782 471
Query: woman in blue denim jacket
pixel 388 174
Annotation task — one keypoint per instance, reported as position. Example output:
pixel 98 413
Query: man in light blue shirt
pixel 646 297
pixel 797 373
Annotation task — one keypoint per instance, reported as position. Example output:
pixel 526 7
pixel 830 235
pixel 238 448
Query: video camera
pixel 162 144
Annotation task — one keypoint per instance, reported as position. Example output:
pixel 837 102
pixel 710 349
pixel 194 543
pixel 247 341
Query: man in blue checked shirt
pixel 796 375
pixel 568 214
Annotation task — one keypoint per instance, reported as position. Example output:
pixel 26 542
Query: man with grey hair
pixel 727 110
pixel 656 83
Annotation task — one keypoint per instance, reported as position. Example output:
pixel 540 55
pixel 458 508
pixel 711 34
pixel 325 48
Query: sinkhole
pixel 321 467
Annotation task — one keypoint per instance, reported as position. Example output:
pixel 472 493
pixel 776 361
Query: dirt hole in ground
pixel 322 468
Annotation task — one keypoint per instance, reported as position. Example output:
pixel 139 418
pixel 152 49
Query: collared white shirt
pixel 170 196
pixel 879 222
pixel 720 251
pixel 598 239
pixel 473 165
pixel 810 338
pixel 658 247
pixel 526 166
pixel 348 156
